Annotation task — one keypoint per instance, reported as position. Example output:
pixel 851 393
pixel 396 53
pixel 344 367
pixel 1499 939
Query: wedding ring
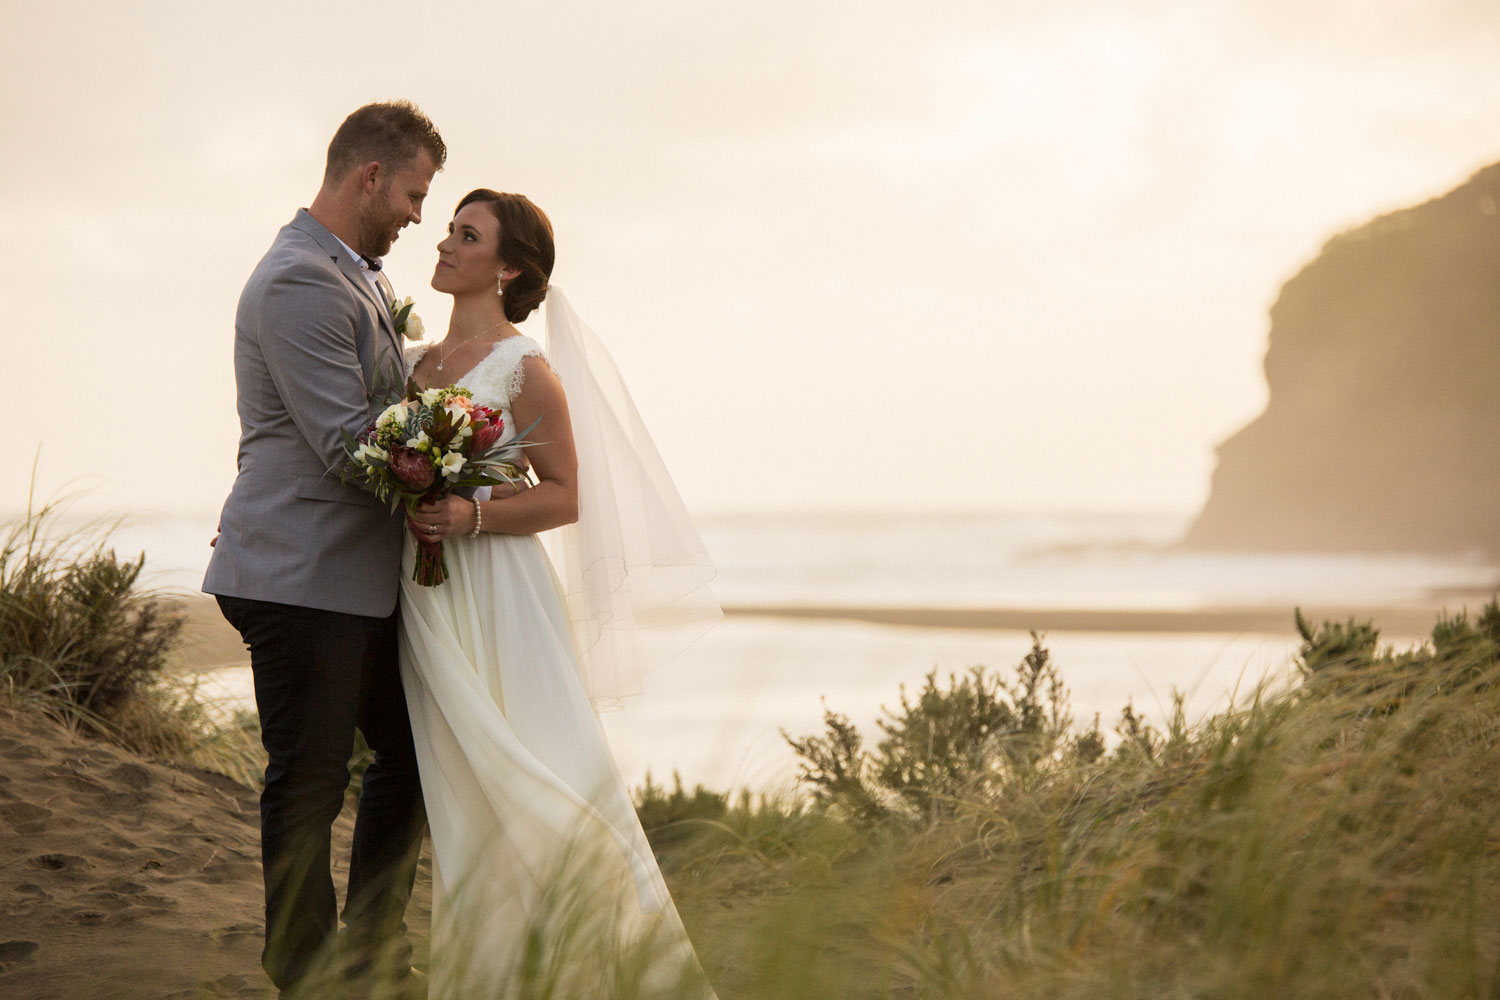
pixel 432 529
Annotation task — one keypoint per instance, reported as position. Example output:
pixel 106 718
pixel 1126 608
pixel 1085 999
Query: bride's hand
pixel 441 517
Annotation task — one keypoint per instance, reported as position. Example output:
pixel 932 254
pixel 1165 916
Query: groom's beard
pixel 377 231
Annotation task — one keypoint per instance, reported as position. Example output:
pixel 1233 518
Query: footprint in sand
pixel 12 952
pixel 131 776
pixel 24 817
pixel 24 901
pixel 59 862
pixel 236 932
pixel 225 986
pixel 153 903
pixel 220 872
pixel 109 902
pixel 123 900
pixel 122 843
pixel 72 774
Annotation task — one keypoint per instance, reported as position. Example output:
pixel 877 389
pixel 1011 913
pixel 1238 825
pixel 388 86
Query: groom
pixel 307 568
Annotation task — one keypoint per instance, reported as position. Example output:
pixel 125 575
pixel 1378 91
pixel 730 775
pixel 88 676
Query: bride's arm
pixel 553 501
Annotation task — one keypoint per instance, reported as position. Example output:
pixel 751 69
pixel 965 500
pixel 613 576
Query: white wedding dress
pixel 541 872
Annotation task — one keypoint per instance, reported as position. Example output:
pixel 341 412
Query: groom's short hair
pixel 391 133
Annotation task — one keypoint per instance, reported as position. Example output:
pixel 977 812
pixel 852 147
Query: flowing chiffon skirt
pixel 541 871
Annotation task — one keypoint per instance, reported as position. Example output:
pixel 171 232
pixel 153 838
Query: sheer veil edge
pixel 635 573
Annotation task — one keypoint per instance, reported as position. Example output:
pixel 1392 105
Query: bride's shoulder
pixel 499 377
pixel 521 356
pixel 518 347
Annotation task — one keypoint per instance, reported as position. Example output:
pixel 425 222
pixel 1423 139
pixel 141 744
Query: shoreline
pixel 1227 620
pixel 208 642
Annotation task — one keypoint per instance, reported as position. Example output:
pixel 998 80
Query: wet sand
pixel 1414 619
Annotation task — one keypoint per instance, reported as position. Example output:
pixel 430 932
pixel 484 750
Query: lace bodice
pixel 498 377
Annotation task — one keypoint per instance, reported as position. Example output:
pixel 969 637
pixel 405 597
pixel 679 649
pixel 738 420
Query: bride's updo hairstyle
pixel 525 246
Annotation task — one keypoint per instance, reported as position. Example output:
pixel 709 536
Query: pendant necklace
pixel 444 355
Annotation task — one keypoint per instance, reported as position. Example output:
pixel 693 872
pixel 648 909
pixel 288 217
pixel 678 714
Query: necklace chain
pixel 444 355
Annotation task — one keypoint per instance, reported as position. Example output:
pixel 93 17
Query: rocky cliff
pixel 1382 432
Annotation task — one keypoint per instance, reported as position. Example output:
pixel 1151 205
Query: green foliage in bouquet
pixel 421 445
pixel 428 443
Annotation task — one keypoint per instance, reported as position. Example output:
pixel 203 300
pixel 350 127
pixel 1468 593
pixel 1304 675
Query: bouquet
pixel 427 444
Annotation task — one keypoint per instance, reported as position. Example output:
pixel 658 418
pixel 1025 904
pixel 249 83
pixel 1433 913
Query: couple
pixel 475 695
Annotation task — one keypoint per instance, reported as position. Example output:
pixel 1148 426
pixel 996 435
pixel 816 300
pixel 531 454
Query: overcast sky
pixel 906 256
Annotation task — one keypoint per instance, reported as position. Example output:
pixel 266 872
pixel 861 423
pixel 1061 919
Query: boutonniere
pixel 407 323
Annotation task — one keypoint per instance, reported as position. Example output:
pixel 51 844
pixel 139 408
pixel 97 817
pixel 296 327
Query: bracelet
pixel 478 517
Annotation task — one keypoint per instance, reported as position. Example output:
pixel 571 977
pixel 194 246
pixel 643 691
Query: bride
pixel 542 874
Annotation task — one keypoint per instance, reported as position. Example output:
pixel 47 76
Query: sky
pixel 896 256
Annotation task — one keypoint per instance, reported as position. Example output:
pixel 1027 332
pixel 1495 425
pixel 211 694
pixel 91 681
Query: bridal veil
pixel 634 571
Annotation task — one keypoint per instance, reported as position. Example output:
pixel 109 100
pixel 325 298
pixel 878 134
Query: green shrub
pixel 75 626
pixel 979 737
pixel 81 637
pixel 1328 839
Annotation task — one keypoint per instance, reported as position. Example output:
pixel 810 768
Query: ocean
pixel 819 585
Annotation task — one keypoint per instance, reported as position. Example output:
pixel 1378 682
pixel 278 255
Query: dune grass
pixel 83 639
pixel 1334 837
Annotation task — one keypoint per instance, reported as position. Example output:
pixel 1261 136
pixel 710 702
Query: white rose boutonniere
pixel 408 324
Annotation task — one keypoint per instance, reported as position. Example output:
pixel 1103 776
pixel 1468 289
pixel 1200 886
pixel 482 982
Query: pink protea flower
pixel 411 467
pixel 486 433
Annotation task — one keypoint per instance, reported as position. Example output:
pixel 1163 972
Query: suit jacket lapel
pixel 351 270
pixel 389 320
pixel 356 274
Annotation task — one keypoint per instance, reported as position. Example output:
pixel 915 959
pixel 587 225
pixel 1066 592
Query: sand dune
pixel 122 878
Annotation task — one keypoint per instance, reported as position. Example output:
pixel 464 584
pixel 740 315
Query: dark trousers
pixel 318 675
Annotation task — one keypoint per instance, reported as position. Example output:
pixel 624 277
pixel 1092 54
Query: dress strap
pixel 497 378
pixel 414 354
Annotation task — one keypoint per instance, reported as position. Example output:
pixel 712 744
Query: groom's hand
pixel 218 530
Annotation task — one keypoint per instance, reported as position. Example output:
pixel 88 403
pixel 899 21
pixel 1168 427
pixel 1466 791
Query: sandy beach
pixel 125 878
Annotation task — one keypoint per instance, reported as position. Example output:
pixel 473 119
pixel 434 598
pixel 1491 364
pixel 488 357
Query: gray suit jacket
pixel 311 342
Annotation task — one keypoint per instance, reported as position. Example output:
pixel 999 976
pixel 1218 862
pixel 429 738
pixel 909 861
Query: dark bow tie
pixel 373 263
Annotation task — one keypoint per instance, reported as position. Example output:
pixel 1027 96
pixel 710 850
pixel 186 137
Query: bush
pixel 74 625
pixel 659 810
pixel 978 738
pixel 82 638
pixel 1334 838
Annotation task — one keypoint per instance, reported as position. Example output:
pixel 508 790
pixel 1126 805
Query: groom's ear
pixel 369 176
